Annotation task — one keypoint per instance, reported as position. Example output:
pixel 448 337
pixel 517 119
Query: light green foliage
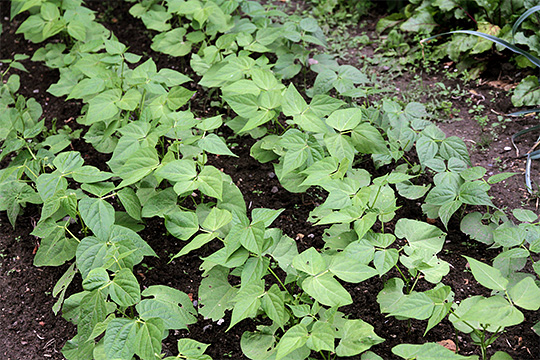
pixel 158 166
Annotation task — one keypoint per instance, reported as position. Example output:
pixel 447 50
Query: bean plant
pixel 140 118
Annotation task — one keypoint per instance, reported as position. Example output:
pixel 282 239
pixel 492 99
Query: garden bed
pixel 30 330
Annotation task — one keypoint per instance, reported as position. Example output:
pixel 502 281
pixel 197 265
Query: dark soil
pixel 30 330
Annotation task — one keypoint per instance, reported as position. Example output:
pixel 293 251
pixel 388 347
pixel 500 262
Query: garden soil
pixel 29 329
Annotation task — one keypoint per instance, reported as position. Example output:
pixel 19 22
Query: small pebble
pixel 271 175
pixel 35 91
pixel 274 189
pixel 220 321
pixel 507 148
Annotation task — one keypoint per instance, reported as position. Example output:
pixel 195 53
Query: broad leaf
pixel 98 215
pixel 170 305
pixel 326 290
pixel 487 275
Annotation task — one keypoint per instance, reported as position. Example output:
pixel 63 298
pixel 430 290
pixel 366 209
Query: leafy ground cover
pixel 390 218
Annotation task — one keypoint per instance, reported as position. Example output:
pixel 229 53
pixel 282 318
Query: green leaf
pixel 87 87
pixel 197 242
pixel 454 146
pixel 90 174
pixel 410 191
pixel 98 215
pixel 415 305
pixel 182 224
pixel 77 30
pixel 428 351
pixel 211 123
pixel 91 254
pixel 120 339
pixel 103 106
pixel 178 170
pixel 390 295
pixel 326 290
pixel 124 288
pixel 216 293
pixel 323 105
pixel 322 337
pixel 169 43
pixel 487 275
pixel 447 210
pixel 293 103
pixel 61 286
pixel 509 236
pixel 157 20
pixel 49 11
pixel 216 219
pixel 215 145
pixel 168 304
pixel 161 203
pixel 501 355
pixel 257 345
pixel 190 347
pixel 500 177
pixel 346 119
pixel 421 20
pixel 55 249
pixel 357 337
pixel 258 119
pixel 370 355
pixel 310 261
pixel 495 311
pixel 48 184
pixel 349 269
pixel 293 339
pixel 442 297
pixel 92 310
pixel 368 140
pixel 274 306
pixel 511 260
pixel 524 215
pixel 420 235
pixel 526 294
pixel 472 225
pixel 426 149
pixel 247 302
pixel 210 182
pixel 130 202
pixel 338 145
pixel 148 339
pixel 385 259
pixel 130 100
pixel 178 96
pixel 267 216
pixel 140 164
pixel 251 236
pixel 474 193
pixel 95 279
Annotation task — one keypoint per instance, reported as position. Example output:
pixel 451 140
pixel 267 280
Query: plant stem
pixel 72 235
pixel 278 279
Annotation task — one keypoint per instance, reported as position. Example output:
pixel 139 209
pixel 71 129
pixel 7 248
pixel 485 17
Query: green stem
pixel 141 105
pixel 402 275
pixel 33 173
pixel 278 279
pixel 72 235
pixel 508 297
pixel 415 281
pixel 109 196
